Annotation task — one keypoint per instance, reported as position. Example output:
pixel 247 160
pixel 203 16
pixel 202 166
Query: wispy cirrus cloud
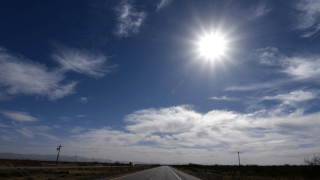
pixel 223 98
pixel 129 19
pixel 269 56
pixel 92 64
pixel 77 129
pixel 18 116
pixel 26 132
pixel 303 68
pixel 258 86
pixel 20 76
pixel 84 99
pixel 34 131
pixel 294 96
pixel 260 9
pixel 308 17
pixel 3 125
pixel 163 3
pixel 65 118
pixel 298 68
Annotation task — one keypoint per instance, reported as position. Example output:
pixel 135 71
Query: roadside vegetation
pixel 79 173
pixel 311 170
pixel 34 163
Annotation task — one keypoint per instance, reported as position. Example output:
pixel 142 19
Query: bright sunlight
pixel 212 46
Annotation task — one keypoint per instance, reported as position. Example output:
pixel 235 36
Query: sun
pixel 212 46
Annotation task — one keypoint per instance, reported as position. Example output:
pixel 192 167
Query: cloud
pixel 22 76
pixel 308 17
pixel 84 99
pixel 294 96
pixel 3 125
pixel 259 10
pixel 223 98
pixel 65 118
pixel 77 129
pixel 180 130
pixel 26 132
pixel 163 3
pixel 303 68
pixel 300 68
pixel 31 132
pixel 268 56
pixel 56 126
pixel 42 128
pixel 71 59
pixel 80 116
pixel 18 116
pixel 129 19
pixel 258 86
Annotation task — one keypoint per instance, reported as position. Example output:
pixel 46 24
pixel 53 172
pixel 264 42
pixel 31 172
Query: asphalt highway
pixel 159 173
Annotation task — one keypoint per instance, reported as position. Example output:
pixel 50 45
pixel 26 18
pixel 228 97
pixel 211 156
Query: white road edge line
pixel 174 173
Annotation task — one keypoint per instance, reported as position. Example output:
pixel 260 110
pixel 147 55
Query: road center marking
pixel 174 173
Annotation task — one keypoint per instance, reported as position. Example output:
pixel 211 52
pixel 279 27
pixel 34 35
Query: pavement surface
pixel 159 173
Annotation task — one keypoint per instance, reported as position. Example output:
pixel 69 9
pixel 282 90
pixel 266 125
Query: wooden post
pixel 58 149
pixel 239 160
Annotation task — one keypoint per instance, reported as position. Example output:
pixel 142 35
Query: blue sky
pixel 125 80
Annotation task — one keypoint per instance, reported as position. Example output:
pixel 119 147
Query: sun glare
pixel 212 46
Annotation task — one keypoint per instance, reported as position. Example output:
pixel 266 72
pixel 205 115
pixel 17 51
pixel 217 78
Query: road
pixel 159 173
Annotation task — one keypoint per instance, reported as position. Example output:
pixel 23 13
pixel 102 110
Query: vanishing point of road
pixel 159 173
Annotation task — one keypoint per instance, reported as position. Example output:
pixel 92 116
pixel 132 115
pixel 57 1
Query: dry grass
pixel 64 174
pixel 247 173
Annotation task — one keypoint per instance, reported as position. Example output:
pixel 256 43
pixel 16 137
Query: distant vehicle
pixel 131 164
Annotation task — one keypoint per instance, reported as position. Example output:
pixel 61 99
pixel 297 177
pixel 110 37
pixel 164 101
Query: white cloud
pixel 18 116
pixel 48 136
pixel 260 9
pixel 77 129
pixel 163 3
pixel 84 99
pixel 3 125
pixel 303 67
pixel 180 131
pixel 223 98
pixel 65 118
pixel 71 59
pixel 80 116
pixel 299 68
pixel 294 96
pixel 42 128
pixel 258 86
pixel 129 19
pixel 22 76
pixel 26 132
pixel 269 56
pixel 308 17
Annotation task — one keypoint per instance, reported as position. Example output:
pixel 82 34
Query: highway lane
pixel 159 173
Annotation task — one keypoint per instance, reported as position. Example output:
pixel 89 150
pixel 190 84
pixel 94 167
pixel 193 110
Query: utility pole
pixel 239 160
pixel 58 149
pixel 75 158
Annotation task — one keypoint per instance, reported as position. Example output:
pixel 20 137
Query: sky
pixel 127 80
